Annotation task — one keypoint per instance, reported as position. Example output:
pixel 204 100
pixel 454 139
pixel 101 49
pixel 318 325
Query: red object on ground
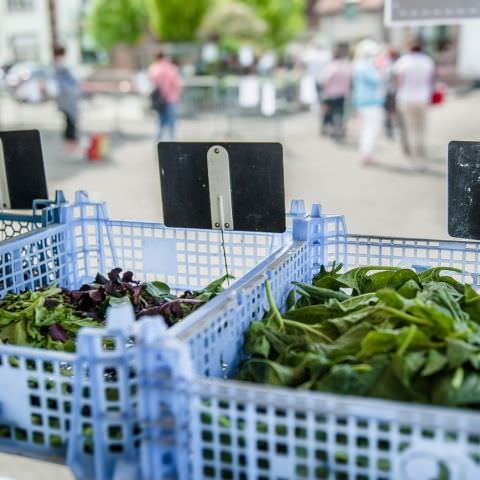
pixel 94 151
pixel 438 96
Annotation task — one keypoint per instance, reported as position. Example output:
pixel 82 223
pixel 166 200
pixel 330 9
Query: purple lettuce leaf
pixel 57 332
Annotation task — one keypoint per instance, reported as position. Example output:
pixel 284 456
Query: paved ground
pixel 13 467
pixel 383 199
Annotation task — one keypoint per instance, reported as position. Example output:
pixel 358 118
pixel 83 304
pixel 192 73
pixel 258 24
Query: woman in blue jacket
pixel 368 97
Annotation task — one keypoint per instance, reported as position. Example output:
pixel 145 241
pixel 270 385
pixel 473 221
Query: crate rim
pixel 412 239
pixel 47 355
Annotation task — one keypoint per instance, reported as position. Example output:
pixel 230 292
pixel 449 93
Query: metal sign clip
pixel 218 164
pixel 4 192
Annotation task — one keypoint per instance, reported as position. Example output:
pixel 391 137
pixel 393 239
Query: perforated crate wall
pixel 245 431
pixel 238 431
pixel 35 401
pixel 185 259
pixel 105 429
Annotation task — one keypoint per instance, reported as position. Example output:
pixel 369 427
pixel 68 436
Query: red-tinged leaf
pixel 136 293
pixel 100 279
pixel 115 289
pixel 114 275
pixel 97 294
pixel 51 302
pixel 76 295
pixel 127 277
pixel 57 332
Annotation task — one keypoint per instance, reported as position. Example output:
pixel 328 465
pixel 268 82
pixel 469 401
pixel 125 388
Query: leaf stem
pixel 408 340
pixel 458 378
pixel 306 328
pixel 406 316
pixel 273 306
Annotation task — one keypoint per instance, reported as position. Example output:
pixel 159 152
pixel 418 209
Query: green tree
pixel 177 20
pixel 233 19
pixel 113 22
pixel 285 18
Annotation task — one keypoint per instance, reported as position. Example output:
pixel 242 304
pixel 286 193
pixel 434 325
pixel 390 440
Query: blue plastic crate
pixel 215 428
pixel 88 399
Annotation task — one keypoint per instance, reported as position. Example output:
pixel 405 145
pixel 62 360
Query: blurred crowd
pixel 377 86
pixel 382 88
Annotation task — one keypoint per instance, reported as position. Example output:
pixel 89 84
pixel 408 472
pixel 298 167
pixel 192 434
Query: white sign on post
pixel 268 104
pixel 430 12
pixel 248 91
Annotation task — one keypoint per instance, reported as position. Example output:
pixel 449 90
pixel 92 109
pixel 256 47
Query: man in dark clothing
pixel 68 96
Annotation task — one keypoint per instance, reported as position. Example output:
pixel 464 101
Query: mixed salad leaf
pixel 386 332
pixel 51 317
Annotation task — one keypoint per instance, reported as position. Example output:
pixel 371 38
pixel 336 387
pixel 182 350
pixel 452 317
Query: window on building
pixel 25 47
pixel 19 5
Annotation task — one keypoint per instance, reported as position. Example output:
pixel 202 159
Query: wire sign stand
pixel 223 186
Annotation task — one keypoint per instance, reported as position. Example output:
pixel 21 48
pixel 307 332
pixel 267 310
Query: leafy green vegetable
pixel 436 361
pixel 51 318
pixel 385 332
pixel 40 319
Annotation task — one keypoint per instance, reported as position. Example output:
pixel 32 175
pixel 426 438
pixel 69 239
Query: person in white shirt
pixel 415 76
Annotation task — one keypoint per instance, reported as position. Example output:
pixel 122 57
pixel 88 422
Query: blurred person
pixel 336 84
pixel 315 60
pixel 393 118
pixel 415 76
pixel 165 76
pixel 68 94
pixel 368 97
pixel 391 91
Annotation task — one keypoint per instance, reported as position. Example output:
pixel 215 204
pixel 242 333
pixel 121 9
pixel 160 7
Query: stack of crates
pixel 197 423
pixel 86 401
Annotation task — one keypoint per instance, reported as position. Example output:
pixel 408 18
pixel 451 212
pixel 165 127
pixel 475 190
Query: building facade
pixel 348 21
pixel 26 29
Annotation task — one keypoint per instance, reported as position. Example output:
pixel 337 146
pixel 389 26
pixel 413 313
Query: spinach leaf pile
pixel 385 332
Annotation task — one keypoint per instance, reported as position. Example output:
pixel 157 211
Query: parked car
pixel 30 82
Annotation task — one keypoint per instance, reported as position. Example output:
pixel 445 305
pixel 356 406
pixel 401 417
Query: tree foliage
pixel 285 18
pixel 177 20
pixel 112 22
pixel 233 19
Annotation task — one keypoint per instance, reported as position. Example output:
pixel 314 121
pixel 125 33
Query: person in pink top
pixel 336 87
pixel 167 90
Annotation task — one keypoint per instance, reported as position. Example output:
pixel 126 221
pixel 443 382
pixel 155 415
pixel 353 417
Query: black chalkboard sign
pixel 22 172
pixel 248 177
pixel 464 190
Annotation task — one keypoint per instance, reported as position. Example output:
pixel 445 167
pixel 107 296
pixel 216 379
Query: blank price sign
pixel 430 12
